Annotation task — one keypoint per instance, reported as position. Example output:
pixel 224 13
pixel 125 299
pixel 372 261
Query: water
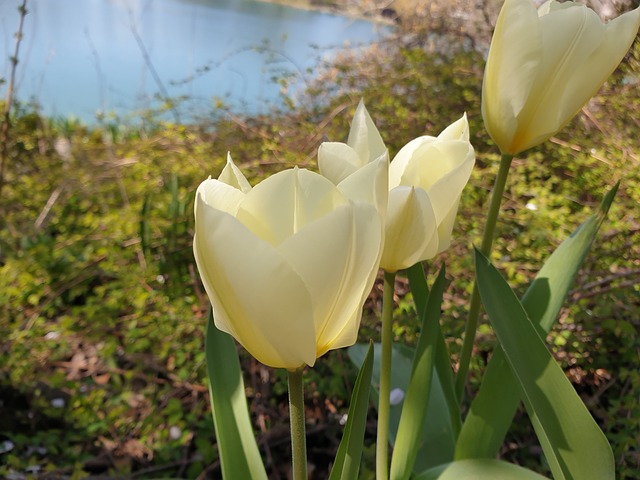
pixel 82 57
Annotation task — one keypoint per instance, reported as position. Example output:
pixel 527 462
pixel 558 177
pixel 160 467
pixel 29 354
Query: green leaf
pixel 492 410
pixel 415 404
pixel 239 454
pixel 420 292
pixel 479 469
pixel 347 462
pixel 437 439
pixel 573 444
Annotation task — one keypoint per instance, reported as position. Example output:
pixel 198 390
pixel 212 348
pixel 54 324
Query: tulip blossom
pixel 544 65
pixel 426 179
pixel 337 161
pixel 288 264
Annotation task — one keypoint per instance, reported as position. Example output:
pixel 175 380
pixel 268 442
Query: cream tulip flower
pixel 288 264
pixel 426 179
pixel 544 65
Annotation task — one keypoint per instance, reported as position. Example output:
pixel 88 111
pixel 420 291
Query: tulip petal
pixel 256 296
pixel 569 36
pixel 336 161
pixel 219 195
pixel 369 184
pixel 404 156
pixel 335 256
pixel 410 230
pixel 231 175
pixel 279 206
pixel 458 130
pixel 368 234
pixel 512 68
pixel 590 51
pixel 364 137
pixel 443 170
pixel 445 226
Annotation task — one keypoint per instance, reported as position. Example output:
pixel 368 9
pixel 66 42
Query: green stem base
pixel 296 415
pixel 382 442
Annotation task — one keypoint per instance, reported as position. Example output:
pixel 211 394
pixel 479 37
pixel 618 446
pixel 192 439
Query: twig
pixel 47 208
pixel 147 60
pixel 610 278
pixel 602 291
pixel 6 124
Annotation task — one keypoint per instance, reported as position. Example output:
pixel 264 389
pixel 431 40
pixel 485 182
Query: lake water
pixel 81 57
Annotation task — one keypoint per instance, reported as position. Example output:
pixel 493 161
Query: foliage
pixel 101 318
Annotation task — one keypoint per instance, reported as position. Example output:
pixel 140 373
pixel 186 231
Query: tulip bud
pixel 288 264
pixel 544 65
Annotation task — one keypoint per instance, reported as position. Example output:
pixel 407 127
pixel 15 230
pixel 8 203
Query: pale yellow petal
pixel 279 206
pixel 546 7
pixel 257 297
pixel 443 170
pixel 580 53
pixel 445 226
pixel 219 195
pixel 458 130
pixel 369 184
pixel 335 256
pixel 368 243
pixel 366 251
pixel 409 229
pixel 364 136
pixel 336 161
pixel 231 175
pixel 511 70
pixel 404 156
pixel 569 35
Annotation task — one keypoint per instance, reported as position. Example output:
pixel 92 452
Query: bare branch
pixel 6 123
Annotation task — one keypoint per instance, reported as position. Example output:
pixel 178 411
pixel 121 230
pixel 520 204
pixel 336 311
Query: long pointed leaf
pixel 420 292
pixel 415 404
pixel 347 462
pixel 437 440
pixel 239 454
pixel 572 441
pixel 479 469
pixel 492 410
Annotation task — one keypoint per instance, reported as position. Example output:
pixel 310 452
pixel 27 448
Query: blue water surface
pixel 85 57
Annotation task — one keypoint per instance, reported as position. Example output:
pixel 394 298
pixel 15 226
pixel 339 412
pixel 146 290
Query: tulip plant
pixel 288 264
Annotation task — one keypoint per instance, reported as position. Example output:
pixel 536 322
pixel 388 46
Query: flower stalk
pixel 485 248
pixel 382 443
pixel 297 422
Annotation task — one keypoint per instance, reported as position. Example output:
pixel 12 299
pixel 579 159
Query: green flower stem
pixel 296 415
pixel 382 442
pixel 485 248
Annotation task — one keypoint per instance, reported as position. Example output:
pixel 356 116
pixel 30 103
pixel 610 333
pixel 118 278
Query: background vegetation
pixel 102 314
